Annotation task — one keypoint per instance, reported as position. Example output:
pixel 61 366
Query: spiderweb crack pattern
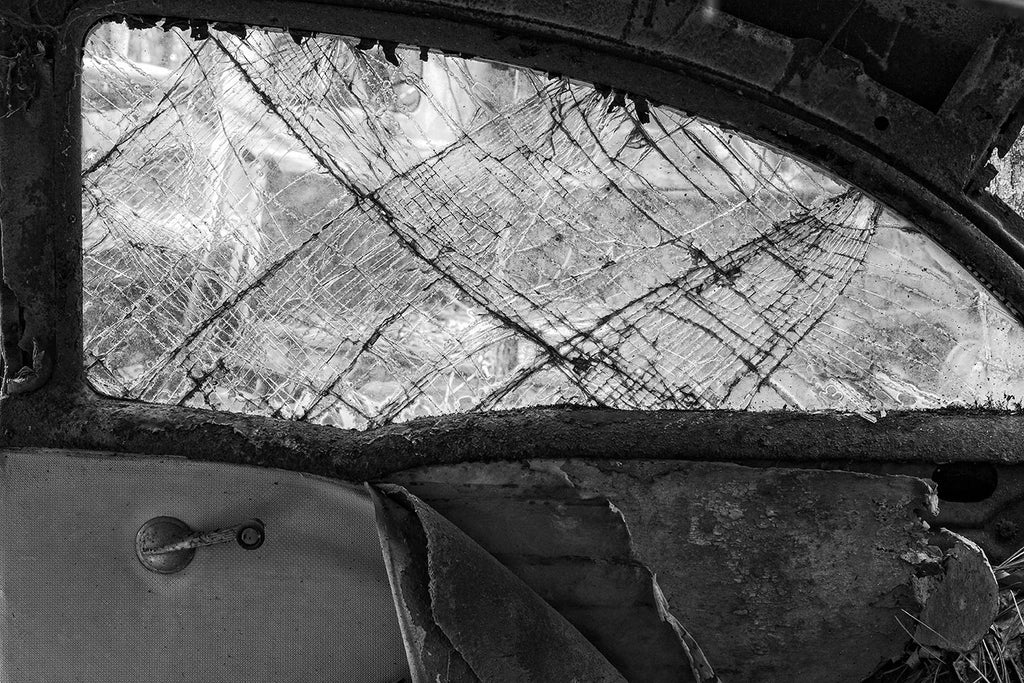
pixel 313 232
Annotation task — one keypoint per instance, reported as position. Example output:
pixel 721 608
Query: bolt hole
pixel 965 482
pixel 882 122
pixel 1007 530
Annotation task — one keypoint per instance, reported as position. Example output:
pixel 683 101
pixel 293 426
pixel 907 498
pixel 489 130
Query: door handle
pixel 167 545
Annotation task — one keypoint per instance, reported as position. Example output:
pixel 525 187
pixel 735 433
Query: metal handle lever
pixel 249 535
pixel 166 545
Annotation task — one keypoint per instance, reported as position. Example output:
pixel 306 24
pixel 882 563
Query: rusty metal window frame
pixel 48 403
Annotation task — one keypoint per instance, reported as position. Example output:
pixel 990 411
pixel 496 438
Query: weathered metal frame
pixel 925 164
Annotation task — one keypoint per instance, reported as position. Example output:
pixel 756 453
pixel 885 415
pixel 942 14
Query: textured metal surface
pixel 778 574
pixel 465 617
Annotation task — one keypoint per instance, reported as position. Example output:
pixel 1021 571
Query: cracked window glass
pixel 348 233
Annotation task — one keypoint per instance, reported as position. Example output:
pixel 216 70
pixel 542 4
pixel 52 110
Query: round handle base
pixel 161 531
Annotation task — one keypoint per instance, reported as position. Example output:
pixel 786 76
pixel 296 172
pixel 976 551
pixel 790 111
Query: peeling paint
pixel 23 51
pixel 757 564
pixel 576 553
pixel 478 611
pixel 960 598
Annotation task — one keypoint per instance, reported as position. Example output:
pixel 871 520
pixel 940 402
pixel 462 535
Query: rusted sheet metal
pixel 404 546
pixel 910 443
pixel 576 554
pixel 86 421
pixel 464 616
pixel 28 203
pixel 979 501
pixel 960 602
pixel 787 575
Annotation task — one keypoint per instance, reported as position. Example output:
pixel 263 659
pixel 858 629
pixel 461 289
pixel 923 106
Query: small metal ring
pixel 251 535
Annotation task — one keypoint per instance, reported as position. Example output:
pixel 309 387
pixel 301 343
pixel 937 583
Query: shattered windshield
pixel 349 233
